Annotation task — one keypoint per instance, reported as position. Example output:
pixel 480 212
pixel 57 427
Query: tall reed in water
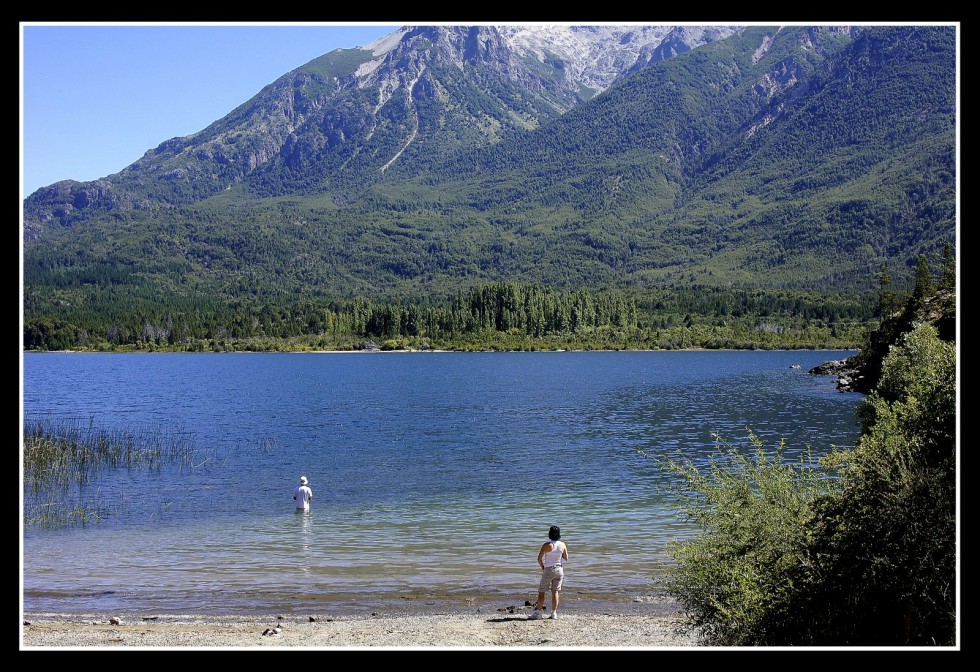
pixel 60 458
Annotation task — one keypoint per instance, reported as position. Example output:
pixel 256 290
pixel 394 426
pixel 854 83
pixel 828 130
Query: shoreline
pixel 585 627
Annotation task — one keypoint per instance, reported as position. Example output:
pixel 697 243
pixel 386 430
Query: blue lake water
pixel 435 475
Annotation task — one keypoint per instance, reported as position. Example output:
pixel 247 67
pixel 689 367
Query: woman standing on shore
pixel 551 558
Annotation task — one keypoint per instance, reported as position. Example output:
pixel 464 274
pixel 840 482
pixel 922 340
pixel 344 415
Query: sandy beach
pixel 503 628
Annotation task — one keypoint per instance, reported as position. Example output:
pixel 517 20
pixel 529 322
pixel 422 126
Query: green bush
pixel 752 508
pixel 884 548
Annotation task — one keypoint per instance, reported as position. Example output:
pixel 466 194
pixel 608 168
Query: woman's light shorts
pixel 551 579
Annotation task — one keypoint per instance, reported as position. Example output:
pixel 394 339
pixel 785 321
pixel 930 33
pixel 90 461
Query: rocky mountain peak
pixel 588 57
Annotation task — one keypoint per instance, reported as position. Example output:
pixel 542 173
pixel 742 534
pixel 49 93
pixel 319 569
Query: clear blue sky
pixel 96 97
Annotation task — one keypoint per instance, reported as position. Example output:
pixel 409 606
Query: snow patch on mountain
pixel 589 56
pixel 596 56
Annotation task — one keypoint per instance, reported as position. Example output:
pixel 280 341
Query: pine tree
pixel 924 286
pixel 887 301
pixel 948 279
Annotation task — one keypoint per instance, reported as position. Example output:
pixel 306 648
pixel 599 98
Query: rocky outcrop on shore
pixel 860 372
pixel 849 376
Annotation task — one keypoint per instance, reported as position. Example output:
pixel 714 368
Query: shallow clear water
pixel 435 475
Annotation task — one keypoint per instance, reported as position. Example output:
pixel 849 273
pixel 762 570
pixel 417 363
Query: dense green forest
pixel 495 316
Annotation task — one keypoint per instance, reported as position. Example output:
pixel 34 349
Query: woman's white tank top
pixel 552 557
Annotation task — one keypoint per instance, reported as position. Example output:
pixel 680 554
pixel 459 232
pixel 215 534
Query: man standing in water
pixel 551 558
pixel 303 495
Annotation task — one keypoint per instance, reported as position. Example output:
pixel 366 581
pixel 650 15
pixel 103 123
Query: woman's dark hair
pixel 554 533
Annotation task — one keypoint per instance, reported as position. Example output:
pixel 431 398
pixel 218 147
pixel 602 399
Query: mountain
pixel 417 94
pixel 440 157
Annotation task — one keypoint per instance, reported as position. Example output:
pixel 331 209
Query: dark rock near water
pixel 848 374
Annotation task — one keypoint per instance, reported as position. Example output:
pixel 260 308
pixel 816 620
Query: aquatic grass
pixel 61 514
pixel 60 458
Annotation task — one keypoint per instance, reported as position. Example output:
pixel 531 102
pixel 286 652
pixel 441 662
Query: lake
pixel 435 475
